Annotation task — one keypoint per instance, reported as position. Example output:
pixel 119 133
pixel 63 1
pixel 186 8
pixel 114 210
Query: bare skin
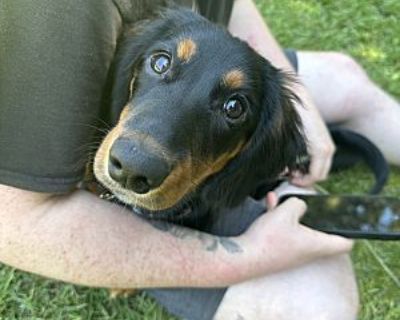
pixel 356 102
pixel 81 239
pixel 324 289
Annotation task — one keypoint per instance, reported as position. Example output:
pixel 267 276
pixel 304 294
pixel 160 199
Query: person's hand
pixel 320 147
pixel 277 241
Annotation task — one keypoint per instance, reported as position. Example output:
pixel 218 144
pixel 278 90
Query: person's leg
pixel 344 94
pixel 323 290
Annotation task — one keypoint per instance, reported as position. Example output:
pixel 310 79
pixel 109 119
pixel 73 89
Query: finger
pixel 327 168
pixel 327 244
pixel 271 200
pixel 317 169
pixel 302 180
pixel 318 172
pixel 320 168
pixel 292 209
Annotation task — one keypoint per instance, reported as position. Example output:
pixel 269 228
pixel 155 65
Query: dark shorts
pixel 291 55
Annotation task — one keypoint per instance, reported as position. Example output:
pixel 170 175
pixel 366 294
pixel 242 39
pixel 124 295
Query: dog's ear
pixel 279 138
pixel 280 146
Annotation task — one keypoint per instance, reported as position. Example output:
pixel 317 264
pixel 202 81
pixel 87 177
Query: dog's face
pixel 203 117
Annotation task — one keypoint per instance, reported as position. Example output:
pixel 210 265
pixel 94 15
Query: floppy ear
pixel 280 144
pixel 277 144
pixel 280 132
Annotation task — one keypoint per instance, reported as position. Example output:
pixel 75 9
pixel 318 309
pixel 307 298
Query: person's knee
pixel 334 308
pixel 340 307
pixel 347 64
pixel 355 77
pixel 325 289
pixel 356 86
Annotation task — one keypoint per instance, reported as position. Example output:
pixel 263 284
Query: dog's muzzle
pixel 136 168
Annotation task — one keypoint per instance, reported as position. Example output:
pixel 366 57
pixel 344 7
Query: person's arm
pixel 82 239
pixel 247 24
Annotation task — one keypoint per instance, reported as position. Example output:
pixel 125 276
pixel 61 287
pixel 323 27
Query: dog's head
pixel 204 118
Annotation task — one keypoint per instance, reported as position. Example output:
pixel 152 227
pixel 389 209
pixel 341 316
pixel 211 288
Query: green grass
pixel 369 31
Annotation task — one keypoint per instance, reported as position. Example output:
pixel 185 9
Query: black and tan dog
pixel 205 121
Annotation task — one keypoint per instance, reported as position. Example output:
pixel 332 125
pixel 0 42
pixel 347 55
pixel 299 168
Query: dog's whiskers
pixel 94 127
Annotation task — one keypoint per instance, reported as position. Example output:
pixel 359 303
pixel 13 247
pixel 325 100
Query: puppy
pixel 205 121
pixel 201 124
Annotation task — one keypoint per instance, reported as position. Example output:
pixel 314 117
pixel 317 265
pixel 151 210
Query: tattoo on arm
pixel 208 241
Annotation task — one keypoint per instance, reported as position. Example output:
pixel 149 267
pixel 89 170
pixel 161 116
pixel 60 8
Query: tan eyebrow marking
pixel 186 49
pixel 234 79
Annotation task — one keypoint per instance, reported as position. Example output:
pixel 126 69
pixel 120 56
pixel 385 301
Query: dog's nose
pixel 136 168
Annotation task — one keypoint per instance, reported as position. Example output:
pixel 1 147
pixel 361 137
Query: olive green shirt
pixel 54 61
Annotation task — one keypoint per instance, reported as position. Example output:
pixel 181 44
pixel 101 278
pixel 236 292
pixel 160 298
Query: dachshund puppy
pixel 202 124
pixel 205 121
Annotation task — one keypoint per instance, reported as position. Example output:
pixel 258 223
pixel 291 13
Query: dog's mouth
pixel 160 201
pixel 174 200
pixel 183 209
pixel 174 196
pixel 173 214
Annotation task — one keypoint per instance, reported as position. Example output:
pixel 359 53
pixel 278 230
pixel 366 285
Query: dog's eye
pixel 160 62
pixel 234 107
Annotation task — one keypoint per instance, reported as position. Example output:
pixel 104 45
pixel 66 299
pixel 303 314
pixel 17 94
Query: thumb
pixel 328 244
pixel 271 200
pixel 292 209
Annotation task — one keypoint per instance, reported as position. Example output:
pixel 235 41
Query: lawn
pixel 368 30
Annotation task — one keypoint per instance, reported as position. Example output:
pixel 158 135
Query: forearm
pixel 84 240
